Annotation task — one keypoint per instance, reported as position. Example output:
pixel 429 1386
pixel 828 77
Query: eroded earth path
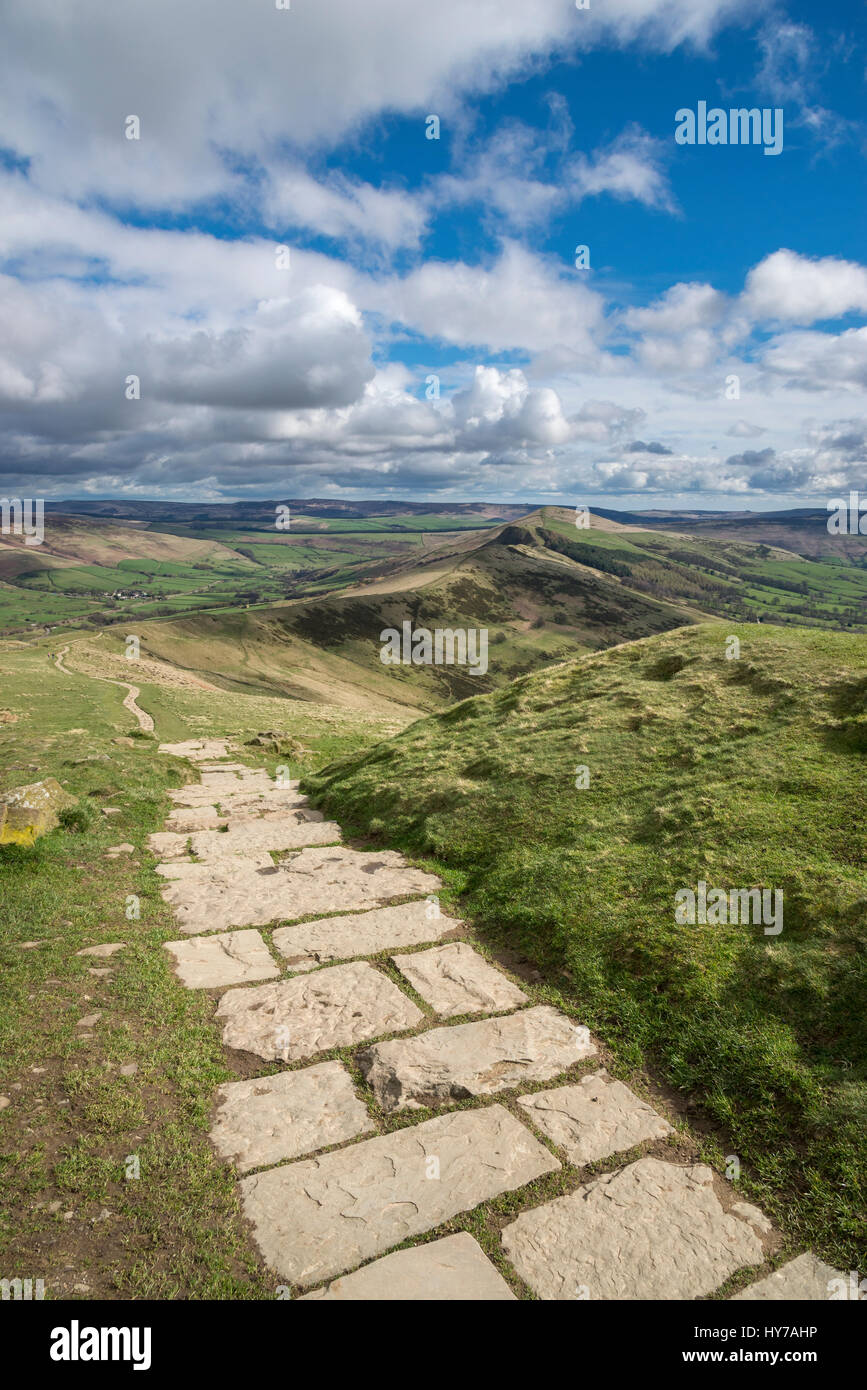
pixel 352 1003
pixel 145 722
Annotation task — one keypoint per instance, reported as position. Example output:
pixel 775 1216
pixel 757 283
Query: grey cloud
pixel 638 446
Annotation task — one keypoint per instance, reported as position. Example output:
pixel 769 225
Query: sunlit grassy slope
pixel 741 772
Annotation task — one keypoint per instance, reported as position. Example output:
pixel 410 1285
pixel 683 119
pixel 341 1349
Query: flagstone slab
pixel 653 1230
pixel 286 830
pixel 197 749
pixel 168 844
pixel 294 1113
pixel 230 958
pixel 361 934
pixel 454 1269
pixel 806 1279
pixel 596 1117
pixel 321 1217
pixel 246 801
pixel 225 783
pixel 474 1059
pixel 188 820
pixel 294 1019
pixel 251 891
pixel 455 979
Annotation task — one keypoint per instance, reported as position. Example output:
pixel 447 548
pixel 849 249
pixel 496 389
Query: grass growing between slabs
pixel 76 1125
pixel 743 773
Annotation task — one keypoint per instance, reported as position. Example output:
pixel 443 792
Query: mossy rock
pixel 28 812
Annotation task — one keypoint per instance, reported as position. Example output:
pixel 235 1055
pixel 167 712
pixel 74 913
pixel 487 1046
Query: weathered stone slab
pixel 289 830
pixel 323 1216
pixel 294 1113
pixel 231 958
pixel 225 783
pixel 806 1279
pixel 107 949
pixel 652 1230
pixel 245 802
pixel 455 979
pixel 168 844
pixel 596 1117
pixel 474 1059
pixel 297 1018
pixel 361 934
pixel 244 892
pixel 189 820
pixel 452 1270
pixel 197 749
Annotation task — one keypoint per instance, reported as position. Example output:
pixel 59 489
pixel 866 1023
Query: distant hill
pixel 542 588
pixel 801 529
pixel 261 513
pixel 742 773
pixel 535 602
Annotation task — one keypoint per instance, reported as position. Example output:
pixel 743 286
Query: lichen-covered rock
pixel 28 812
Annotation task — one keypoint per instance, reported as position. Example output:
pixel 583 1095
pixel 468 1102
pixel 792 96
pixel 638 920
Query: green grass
pixel 743 773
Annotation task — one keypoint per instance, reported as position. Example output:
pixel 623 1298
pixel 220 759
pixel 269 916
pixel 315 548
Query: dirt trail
pixel 145 721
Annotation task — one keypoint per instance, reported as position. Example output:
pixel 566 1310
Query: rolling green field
pixel 743 772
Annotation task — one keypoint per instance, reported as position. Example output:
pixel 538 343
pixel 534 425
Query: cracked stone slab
pixel 361 934
pixel 197 749
pixel 245 802
pixel 287 830
pixel 455 979
pixel 596 1117
pixel 474 1059
pixel 323 1216
pixel 652 1230
pixel 191 819
pixel 168 844
pixel 250 892
pixel 294 1113
pixel 231 958
pixel 453 1269
pixel 296 1018
pixel 806 1279
pixel 219 784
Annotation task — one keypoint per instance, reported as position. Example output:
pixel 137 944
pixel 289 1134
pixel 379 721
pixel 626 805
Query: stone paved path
pixel 335 1171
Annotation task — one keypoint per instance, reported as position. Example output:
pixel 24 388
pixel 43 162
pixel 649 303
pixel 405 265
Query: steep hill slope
pixel 740 773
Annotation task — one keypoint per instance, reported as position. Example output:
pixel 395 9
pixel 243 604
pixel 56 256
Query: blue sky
pixel 425 332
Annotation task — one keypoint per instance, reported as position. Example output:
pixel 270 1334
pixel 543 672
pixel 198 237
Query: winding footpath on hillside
pixel 145 722
pixel 335 1171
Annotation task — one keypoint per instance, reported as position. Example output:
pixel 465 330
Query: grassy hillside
pixel 744 772
pixel 803 530
pixel 727 577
